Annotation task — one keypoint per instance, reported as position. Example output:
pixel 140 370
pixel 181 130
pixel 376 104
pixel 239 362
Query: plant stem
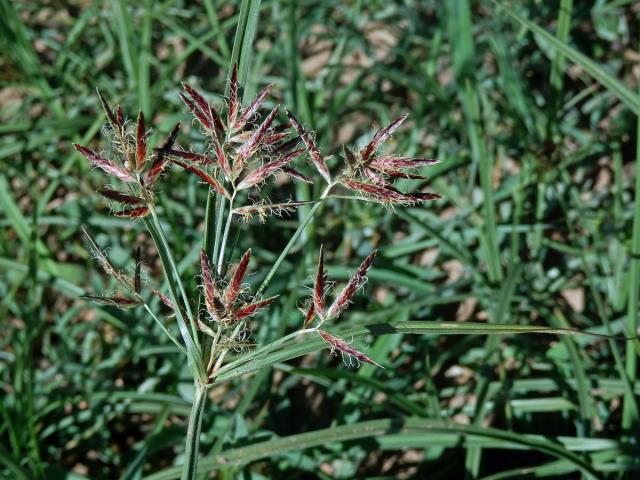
pixel 225 235
pixel 262 351
pixel 164 329
pixel 293 239
pixel 629 418
pixel 172 264
pixel 220 203
pixel 244 36
pixel 193 350
pixel 192 444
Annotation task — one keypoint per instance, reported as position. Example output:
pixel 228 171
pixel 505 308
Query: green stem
pixel 210 215
pixel 245 34
pixel 293 239
pixel 164 244
pixel 193 351
pixel 164 329
pixel 629 417
pixel 192 444
pixel 225 235
pixel 262 351
pixel 218 230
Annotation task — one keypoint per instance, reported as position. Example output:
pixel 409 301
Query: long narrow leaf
pixel 612 84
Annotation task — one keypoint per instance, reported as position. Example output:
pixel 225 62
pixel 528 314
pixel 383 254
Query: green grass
pixel 531 108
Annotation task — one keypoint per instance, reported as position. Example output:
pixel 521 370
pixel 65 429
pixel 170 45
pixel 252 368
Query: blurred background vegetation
pixel 532 111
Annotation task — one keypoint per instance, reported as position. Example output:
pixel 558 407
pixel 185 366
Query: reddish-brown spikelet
pixel 422 196
pixel 261 173
pixel 199 100
pixel 339 344
pixel 171 139
pixel 115 301
pixel 120 116
pixel 253 308
pixel 311 313
pixel 288 145
pixel 252 108
pixel 349 156
pixel 253 143
pixel 400 174
pixel 384 193
pixel 319 287
pixel 156 169
pixel 197 112
pixel 121 197
pixel 163 298
pixel 162 156
pixel 107 110
pixel 310 143
pixel 141 143
pixel 133 212
pixel 204 176
pixel 354 283
pixel 104 164
pixel 234 103
pixel 201 109
pixel 386 163
pixel 293 173
pixel 376 178
pixel 381 136
pixel 193 157
pixel 221 157
pixel 211 298
pixel 274 138
pixel 207 115
pixel 235 285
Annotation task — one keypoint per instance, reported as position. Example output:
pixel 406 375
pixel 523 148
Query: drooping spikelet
pixel 346 349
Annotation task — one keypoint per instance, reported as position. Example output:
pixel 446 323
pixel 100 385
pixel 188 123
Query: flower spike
pixel 141 144
pixel 319 288
pixel 232 291
pixel 346 349
pixel 310 143
pixel 356 282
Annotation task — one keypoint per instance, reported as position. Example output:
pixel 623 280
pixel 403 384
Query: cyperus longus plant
pixel 244 151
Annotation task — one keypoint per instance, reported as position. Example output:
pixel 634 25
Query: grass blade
pixel 382 430
pixel 617 88
pixel 287 348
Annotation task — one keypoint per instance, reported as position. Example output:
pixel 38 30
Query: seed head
pixel 355 282
pixel 261 173
pixel 105 165
pixel 319 288
pixel 380 137
pixel 234 287
pixel 215 308
pixel 141 144
pixel 120 197
pixel 310 143
pixel 133 212
pixel 204 176
pixel 252 108
pixel 253 308
pixel 346 349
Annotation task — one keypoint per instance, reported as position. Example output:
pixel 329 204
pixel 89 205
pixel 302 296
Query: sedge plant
pixel 244 150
